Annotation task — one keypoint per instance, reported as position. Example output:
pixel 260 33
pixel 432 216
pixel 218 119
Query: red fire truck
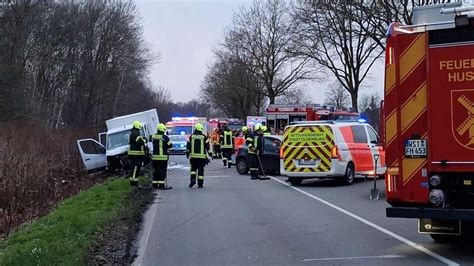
pixel 279 116
pixel 429 120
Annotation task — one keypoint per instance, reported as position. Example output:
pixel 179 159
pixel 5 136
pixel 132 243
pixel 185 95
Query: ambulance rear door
pixel 307 148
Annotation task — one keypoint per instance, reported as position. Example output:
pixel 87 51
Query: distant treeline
pixel 71 64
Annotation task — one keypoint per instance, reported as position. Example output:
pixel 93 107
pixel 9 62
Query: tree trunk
pixel 354 96
pixel 271 97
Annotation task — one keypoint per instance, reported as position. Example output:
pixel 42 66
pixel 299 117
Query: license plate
pixel 307 162
pixel 416 148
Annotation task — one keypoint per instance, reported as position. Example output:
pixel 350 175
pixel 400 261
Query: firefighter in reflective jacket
pixel 227 146
pixel 255 147
pixel 197 149
pixel 245 131
pixel 136 152
pixel 161 146
pixel 265 131
pixel 215 141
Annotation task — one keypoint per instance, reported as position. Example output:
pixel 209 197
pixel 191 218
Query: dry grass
pixel 38 168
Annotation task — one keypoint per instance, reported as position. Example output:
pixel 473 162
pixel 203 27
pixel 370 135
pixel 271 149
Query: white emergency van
pixel 330 149
pixel 111 149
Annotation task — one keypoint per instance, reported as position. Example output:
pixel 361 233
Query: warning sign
pixel 307 137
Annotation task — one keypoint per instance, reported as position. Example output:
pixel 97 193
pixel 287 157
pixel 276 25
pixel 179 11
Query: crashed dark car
pixel 270 158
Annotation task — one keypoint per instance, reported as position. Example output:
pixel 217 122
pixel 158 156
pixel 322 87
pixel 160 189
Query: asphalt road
pixel 237 221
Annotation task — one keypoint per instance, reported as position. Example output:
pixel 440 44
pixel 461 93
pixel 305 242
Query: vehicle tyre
pixel 242 166
pixel 295 181
pixel 349 175
pixel 445 238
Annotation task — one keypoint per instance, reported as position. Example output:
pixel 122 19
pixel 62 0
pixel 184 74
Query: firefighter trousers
pixel 227 156
pixel 217 150
pixel 253 165
pixel 159 173
pixel 136 166
pixel 197 170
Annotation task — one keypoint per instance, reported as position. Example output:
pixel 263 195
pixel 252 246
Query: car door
pixel 376 150
pixel 92 154
pixel 361 151
pixel 103 138
pixel 271 154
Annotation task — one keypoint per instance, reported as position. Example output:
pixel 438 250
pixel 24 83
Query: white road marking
pixel 148 222
pixel 179 166
pixel 377 227
pixel 359 258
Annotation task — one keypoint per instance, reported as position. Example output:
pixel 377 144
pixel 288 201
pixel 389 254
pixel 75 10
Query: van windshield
pixel 181 130
pixel 118 139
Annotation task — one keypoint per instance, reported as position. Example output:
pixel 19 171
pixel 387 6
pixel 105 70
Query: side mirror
pixel 376 142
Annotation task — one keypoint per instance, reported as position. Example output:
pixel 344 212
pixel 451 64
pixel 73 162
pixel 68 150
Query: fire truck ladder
pixel 469 122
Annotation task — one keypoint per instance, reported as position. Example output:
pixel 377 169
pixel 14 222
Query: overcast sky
pixel 184 32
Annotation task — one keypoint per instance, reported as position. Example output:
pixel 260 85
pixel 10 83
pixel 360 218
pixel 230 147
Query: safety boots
pixel 192 183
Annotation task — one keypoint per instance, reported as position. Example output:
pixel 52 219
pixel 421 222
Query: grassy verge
pixel 65 235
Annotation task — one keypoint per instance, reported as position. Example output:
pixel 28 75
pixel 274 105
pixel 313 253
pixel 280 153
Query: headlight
pixel 436 197
pixel 181 145
pixel 435 180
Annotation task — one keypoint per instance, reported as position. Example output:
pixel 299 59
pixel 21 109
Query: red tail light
pixel 334 153
pixel 281 153
pixel 391 182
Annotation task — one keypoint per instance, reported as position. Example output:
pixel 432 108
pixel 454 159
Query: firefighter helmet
pixel 137 125
pixel 263 128
pixel 161 127
pixel 244 129
pixel 199 127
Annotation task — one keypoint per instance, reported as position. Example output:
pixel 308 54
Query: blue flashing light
pixel 362 120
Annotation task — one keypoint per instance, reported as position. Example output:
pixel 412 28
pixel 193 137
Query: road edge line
pixel 144 236
pixel 371 224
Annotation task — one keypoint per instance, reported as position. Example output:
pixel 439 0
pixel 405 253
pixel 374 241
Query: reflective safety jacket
pixel 136 143
pixel 227 141
pixel 266 133
pixel 254 143
pixel 215 138
pixel 197 146
pixel 161 146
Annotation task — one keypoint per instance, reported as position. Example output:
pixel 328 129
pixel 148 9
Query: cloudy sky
pixel 184 32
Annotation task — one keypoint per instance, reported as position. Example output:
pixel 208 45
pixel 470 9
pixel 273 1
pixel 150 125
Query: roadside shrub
pixel 39 167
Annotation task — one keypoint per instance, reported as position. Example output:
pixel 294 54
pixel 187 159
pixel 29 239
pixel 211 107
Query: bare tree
pixel 337 96
pixel 369 102
pixel 294 96
pixel 72 63
pixel 328 33
pixel 231 88
pixel 370 109
pixel 374 17
pixel 263 33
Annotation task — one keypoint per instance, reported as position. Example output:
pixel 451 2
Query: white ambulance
pixel 330 149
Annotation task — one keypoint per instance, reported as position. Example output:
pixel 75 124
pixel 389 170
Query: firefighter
pixel 136 152
pixel 265 131
pixel 227 146
pixel 216 145
pixel 245 131
pixel 161 146
pixel 197 149
pixel 254 143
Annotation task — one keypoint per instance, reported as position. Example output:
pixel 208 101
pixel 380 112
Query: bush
pixel 38 168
